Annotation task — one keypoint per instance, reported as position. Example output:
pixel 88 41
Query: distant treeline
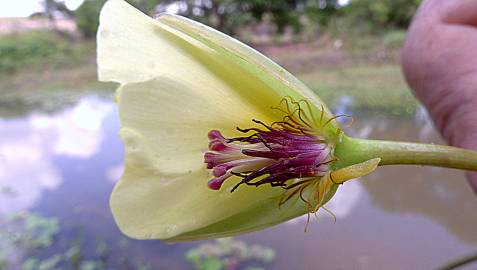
pixel 230 15
pixel 39 49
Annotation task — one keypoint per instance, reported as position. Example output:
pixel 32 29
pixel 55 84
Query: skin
pixel 439 61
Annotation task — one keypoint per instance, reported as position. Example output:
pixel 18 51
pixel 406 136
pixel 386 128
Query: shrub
pixel 36 49
pixel 87 17
pixel 394 39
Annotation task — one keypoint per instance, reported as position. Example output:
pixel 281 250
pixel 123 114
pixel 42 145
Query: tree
pixel 53 7
pixel 229 15
pixel 381 14
pixel 87 17
pixel 224 15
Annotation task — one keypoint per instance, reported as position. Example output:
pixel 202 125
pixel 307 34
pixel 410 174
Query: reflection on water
pixel 64 165
pixel 28 147
pixel 439 194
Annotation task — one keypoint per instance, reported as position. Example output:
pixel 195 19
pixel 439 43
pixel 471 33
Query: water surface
pixel 63 163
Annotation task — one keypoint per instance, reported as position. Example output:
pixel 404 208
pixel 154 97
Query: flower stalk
pixel 355 150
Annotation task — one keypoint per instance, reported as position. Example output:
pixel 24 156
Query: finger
pixel 439 62
pixel 455 11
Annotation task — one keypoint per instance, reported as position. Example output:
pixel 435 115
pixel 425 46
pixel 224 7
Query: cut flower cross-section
pixel 181 81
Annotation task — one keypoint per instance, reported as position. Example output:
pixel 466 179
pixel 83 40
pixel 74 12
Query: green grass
pixel 370 87
pixel 43 71
pixel 39 49
pixel 41 61
pixel 365 70
pixel 371 78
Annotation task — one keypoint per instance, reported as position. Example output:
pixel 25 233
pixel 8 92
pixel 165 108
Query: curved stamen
pixel 291 154
pixel 272 156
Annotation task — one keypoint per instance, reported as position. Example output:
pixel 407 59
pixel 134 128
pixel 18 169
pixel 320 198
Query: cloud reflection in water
pixel 29 145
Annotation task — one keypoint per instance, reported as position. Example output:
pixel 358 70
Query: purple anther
pixel 272 155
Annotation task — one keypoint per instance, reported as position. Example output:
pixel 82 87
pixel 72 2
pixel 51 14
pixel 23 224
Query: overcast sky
pixel 23 8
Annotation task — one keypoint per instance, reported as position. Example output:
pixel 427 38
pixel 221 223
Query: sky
pixel 23 8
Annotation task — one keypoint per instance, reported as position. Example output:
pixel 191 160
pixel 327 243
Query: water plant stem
pixel 352 151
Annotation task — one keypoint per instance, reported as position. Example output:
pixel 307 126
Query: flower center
pixel 270 155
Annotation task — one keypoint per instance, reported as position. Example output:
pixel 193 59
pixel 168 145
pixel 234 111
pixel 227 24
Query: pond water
pixel 58 167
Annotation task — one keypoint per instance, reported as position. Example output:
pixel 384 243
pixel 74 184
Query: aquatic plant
pixel 229 254
pixel 24 233
pixel 219 139
pixel 31 230
pixel 34 241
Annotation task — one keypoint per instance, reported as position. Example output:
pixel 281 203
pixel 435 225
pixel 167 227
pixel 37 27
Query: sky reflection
pixel 28 147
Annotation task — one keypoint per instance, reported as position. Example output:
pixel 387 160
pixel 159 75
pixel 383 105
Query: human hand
pixel 439 61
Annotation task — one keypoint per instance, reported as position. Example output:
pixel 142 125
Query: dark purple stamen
pixel 272 155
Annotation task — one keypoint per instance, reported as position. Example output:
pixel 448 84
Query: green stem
pixel 352 151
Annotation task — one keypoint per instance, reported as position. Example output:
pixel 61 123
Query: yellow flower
pixel 180 81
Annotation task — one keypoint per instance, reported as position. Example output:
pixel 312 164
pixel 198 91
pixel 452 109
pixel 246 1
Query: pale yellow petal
pixel 176 87
pixel 174 136
pixel 164 191
pixel 134 48
pixel 178 208
pixel 276 77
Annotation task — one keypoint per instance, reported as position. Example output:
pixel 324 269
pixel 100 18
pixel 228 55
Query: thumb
pixel 438 61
